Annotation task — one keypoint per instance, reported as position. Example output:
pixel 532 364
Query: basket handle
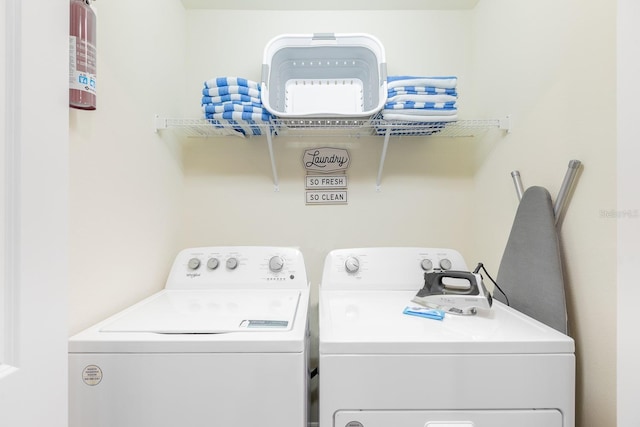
pixel 323 36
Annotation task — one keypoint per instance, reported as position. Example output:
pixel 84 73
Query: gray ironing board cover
pixel 530 271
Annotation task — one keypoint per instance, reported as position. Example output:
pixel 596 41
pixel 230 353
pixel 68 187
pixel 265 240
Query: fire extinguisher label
pixel 82 61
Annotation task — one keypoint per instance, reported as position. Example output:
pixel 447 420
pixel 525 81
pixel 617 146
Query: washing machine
pixel 225 343
pixel 379 366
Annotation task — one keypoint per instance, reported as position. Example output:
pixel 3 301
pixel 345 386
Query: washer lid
pixel 210 312
pixel 373 322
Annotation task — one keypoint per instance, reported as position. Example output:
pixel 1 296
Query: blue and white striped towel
pixel 419 118
pixel 448 82
pixel 423 98
pixel 246 123
pixel 406 90
pixel 230 106
pixel 411 105
pixel 230 90
pixel 237 115
pixel 401 127
pixel 420 112
pixel 231 81
pixel 231 98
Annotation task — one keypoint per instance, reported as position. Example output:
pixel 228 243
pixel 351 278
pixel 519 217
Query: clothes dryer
pixel 225 343
pixel 381 367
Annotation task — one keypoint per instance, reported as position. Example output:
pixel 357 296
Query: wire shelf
pixel 204 128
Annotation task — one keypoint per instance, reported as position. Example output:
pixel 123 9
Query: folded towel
pixel 449 82
pixel 420 129
pixel 231 81
pixel 230 98
pixel 421 112
pixel 245 123
pixel 240 129
pixel 410 105
pixel 419 118
pixel 239 116
pixel 216 100
pixel 405 90
pixel 408 128
pixel 229 90
pixel 230 106
pixel 428 313
pixel 423 98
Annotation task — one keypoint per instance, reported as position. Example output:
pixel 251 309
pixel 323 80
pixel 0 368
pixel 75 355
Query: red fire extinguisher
pixel 82 56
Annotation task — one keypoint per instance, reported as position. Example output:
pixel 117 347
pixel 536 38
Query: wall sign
pixel 326 181
pixel 326 160
pixel 326 197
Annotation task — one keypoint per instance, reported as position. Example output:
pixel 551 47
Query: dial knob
pixel 212 263
pixel 426 264
pixel 445 264
pixel 352 265
pixel 232 263
pixel 276 264
pixel 193 263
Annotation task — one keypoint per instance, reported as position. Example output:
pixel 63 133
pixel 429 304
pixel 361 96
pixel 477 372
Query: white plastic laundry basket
pixel 324 75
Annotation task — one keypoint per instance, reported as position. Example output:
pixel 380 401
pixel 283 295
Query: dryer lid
pixel 373 322
pixel 210 312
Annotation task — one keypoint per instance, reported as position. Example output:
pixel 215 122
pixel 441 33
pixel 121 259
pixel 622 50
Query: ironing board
pixel 530 271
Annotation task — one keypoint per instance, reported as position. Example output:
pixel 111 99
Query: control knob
pixel 352 265
pixel 232 263
pixel 193 263
pixel 426 264
pixel 445 264
pixel 212 263
pixel 276 264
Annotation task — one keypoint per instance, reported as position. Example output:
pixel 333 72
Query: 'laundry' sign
pixel 326 159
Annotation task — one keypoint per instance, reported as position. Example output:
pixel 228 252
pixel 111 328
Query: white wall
pixel 553 64
pixel 555 78
pixel 126 181
pixel 628 213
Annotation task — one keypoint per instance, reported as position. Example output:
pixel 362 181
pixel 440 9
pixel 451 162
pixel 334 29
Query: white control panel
pixel 387 268
pixel 238 267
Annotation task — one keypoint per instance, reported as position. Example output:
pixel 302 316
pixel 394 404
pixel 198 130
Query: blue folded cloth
pixel 230 98
pixel 448 82
pixel 411 105
pixel 218 100
pixel 234 104
pixel 245 123
pixel 231 81
pixel 397 115
pixel 230 90
pixel 414 90
pixel 428 313
pixel 239 116
pixel 422 98
pixel 231 106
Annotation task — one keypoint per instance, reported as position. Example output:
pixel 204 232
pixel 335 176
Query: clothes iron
pixel 456 292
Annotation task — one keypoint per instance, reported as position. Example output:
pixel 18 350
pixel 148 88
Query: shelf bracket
pixel 159 123
pixel 383 157
pixel 505 124
pixel 273 161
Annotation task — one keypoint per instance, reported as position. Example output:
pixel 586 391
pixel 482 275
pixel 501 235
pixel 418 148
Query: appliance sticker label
pixel 92 375
pixel 264 324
